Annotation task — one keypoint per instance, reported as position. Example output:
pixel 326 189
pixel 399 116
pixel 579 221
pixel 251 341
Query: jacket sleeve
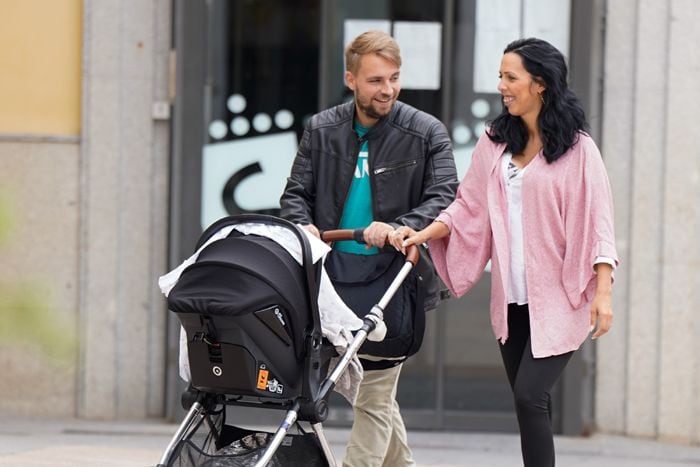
pixel 589 225
pixel 460 258
pixel 439 179
pixel 297 200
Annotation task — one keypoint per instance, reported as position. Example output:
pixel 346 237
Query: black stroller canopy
pixel 240 274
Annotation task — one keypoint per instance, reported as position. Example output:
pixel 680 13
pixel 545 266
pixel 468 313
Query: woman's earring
pixel 542 97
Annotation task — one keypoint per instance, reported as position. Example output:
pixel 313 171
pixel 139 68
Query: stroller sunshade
pixel 246 270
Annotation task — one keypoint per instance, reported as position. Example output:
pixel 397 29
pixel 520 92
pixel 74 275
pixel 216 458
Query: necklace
pixel 523 159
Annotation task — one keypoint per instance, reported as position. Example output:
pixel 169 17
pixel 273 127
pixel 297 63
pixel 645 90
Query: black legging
pixel 531 380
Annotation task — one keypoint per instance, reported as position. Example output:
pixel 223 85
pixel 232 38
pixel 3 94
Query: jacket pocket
pixel 396 166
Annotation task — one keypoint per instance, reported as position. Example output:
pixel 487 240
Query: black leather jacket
pixel 412 170
pixel 412 173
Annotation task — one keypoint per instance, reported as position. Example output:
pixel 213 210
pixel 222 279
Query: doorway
pixel 249 75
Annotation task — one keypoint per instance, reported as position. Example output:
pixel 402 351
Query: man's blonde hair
pixel 377 42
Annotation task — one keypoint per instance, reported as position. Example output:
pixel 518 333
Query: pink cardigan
pixel 567 223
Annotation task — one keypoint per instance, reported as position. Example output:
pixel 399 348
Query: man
pixel 378 164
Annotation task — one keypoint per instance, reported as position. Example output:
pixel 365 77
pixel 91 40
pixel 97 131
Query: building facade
pixel 127 127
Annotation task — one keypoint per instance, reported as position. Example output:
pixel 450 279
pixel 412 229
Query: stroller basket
pixel 213 443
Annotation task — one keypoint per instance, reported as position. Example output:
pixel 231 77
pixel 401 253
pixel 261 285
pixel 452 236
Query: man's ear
pixel 350 80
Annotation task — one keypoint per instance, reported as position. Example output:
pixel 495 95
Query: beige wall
pixel 40 66
pixel 39 278
pixel 648 368
pixel 39 197
pixel 84 182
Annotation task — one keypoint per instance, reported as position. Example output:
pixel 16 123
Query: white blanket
pixel 337 320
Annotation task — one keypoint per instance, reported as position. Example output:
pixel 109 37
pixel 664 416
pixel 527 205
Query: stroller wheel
pixel 322 409
pixel 314 411
pixel 190 396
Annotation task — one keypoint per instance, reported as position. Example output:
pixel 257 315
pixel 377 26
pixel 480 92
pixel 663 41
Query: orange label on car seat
pixel 262 379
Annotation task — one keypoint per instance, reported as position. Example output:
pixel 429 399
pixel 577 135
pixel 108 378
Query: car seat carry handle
pixel 412 255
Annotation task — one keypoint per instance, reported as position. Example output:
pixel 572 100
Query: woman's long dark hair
pixel 561 118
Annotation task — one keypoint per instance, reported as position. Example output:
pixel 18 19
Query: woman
pixel 536 202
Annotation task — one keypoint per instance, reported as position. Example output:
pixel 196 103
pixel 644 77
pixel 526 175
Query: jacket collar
pixel 378 128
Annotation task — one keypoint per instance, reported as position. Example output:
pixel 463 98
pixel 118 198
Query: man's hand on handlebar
pixel 376 234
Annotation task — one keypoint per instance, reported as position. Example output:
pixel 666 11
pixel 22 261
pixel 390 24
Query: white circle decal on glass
pixel 236 103
pixel 217 129
pixel 240 126
pixel 461 134
pixel 479 128
pixel 284 119
pixel 262 122
pixel 480 108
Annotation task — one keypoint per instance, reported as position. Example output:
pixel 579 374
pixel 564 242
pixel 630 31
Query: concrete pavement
pixel 77 443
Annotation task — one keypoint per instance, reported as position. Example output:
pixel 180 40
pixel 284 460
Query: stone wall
pixel 648 368
pixel 124 208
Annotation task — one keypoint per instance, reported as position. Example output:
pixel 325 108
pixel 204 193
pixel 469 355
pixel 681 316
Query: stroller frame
pixel 312 406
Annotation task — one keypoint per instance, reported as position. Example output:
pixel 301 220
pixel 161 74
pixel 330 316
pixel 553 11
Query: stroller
pixel 254 339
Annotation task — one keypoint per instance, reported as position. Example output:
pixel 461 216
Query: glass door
pixel 247 80
pixel 250 72
pixel 262 83
pixel 418 28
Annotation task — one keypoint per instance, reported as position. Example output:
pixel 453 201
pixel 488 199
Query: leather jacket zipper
pixel 389 168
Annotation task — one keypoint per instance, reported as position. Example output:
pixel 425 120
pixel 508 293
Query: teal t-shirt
pixel 357 213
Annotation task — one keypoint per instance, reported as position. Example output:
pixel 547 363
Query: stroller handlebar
pixel 412 254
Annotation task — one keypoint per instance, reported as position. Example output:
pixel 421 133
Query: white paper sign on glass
pixel 499 22
pixel 421 53
pixel 420 43
pixel 354 27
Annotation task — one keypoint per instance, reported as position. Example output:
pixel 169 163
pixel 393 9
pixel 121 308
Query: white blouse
pixel 517 283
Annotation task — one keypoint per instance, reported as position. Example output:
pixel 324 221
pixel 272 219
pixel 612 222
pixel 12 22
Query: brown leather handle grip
pixel 412 255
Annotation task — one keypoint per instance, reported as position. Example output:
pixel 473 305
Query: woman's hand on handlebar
pixel 403 237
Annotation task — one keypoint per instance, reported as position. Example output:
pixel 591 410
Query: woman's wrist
pixel 604 285
pixel 436 230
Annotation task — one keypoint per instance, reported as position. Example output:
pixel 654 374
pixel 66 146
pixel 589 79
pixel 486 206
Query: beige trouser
pixel 378 435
